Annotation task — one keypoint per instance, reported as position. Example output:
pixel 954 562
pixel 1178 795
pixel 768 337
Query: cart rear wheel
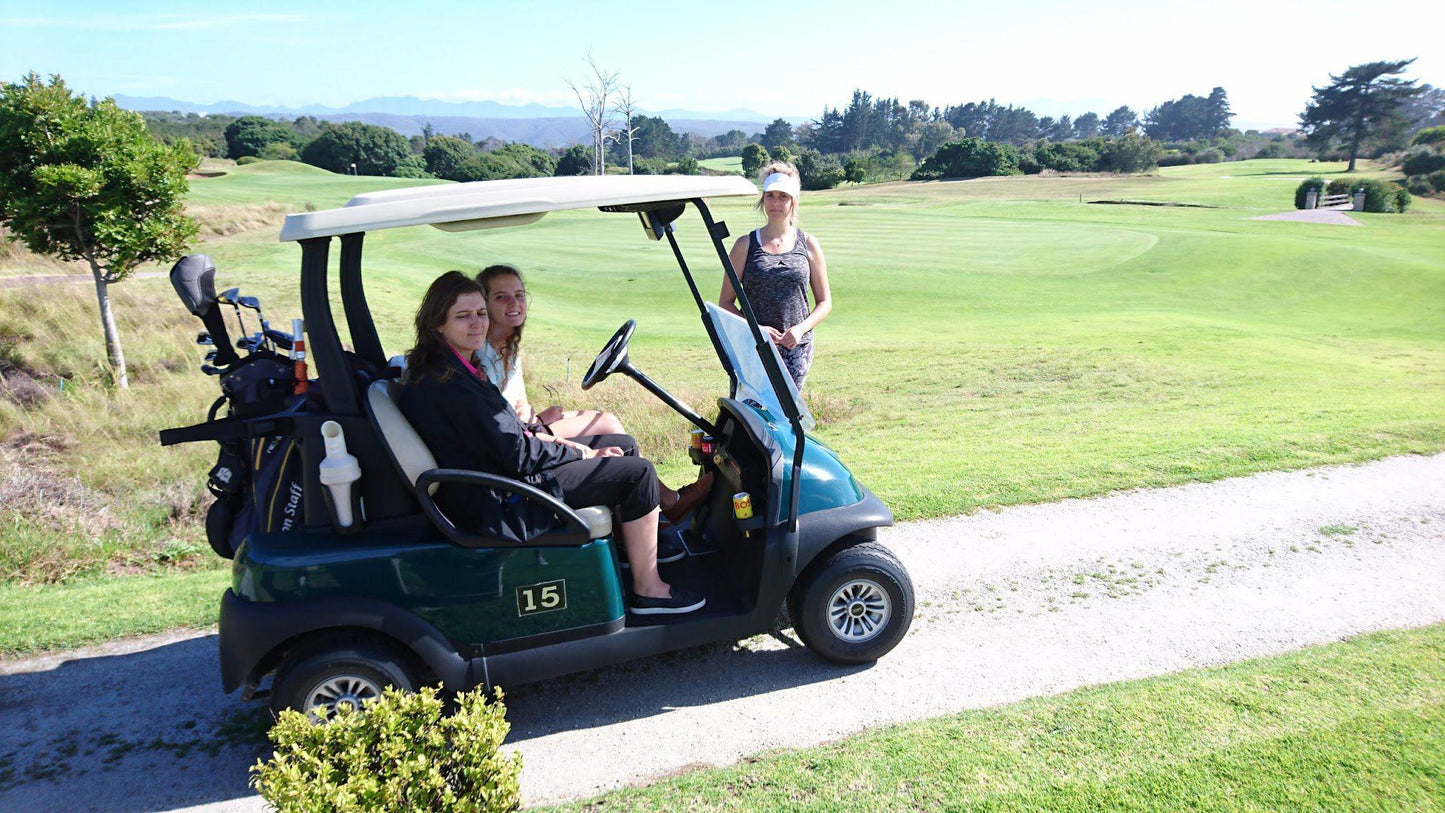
pixel 340 674
pixel 856 606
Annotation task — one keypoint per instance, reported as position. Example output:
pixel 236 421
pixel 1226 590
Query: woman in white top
pixel 502 358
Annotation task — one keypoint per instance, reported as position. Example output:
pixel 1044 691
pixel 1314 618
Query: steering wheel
pixel 613 355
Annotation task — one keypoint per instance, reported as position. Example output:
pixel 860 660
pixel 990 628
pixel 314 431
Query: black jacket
pixel 467 424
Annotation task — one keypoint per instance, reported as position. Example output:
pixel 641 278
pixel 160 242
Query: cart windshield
pixel 753 385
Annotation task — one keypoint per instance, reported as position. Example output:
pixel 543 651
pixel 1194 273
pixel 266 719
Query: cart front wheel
pixel 856 606
pixel 317 683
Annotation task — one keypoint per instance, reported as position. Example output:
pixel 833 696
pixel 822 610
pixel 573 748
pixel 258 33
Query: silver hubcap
pixel 859 610
pixel 341 691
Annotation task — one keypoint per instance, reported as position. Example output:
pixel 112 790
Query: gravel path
pixel 1333 217
pixel 1022 602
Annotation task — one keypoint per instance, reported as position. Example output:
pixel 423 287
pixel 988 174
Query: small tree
pixel 1120 121
pixel 85 181
pixel 778 133
pixel 754 156
pixel 1362 100
pixel 452 158
pixel 371 149
pixel 575 160
pixel 595 98
pixel 252 135
pixel 626 107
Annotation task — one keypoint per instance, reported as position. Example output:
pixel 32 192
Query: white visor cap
pixel 779 182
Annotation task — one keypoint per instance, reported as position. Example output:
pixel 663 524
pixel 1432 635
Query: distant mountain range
pixel 535 124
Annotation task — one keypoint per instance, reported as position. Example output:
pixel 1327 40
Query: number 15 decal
pixel 542 598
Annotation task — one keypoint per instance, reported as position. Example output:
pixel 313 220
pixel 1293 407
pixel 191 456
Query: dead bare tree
pixel 594 97
pixel 626 107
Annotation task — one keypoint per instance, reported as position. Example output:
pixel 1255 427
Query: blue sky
pixel 780 59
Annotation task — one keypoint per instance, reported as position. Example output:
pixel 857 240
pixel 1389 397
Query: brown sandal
pixel 688 498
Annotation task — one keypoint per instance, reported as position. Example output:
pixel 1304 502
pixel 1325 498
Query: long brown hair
pixel 429 355
pixel 512 348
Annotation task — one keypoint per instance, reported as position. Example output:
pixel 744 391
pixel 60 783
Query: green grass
pixel 1353 726
pixel 993 342
pixel 64 616
pixel 732 164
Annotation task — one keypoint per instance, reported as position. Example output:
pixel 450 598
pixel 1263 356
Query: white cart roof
pixel 491 204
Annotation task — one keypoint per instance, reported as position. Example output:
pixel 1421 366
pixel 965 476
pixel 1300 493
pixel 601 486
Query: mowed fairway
pixel 999 341
pixel 994 342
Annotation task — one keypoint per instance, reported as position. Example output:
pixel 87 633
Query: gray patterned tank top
pixel 777 284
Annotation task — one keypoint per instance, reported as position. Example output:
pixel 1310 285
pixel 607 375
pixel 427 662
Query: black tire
pixel 855 606
pixel 333 672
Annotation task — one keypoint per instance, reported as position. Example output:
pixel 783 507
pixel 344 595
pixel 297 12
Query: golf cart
pixel 347 577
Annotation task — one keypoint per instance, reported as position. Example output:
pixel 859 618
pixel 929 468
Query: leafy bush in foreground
pixel 399 753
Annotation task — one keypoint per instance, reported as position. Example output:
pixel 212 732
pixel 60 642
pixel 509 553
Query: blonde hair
pixel 787 169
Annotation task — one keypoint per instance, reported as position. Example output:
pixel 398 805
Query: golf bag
pixel 257 480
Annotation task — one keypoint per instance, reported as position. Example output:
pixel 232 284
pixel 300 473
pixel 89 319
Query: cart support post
pixel 353 300
pixel 324 345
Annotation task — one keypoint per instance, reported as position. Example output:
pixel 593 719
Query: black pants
pixel 629 482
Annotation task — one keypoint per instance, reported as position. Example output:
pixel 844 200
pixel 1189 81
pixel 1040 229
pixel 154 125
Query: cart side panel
pixel 472 595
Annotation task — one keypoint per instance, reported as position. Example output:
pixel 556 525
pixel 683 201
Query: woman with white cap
pixel 778 264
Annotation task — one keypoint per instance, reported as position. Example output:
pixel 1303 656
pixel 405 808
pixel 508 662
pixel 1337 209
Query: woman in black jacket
pixel 467 424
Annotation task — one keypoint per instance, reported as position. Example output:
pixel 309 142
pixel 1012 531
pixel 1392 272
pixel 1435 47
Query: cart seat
pixel 413 458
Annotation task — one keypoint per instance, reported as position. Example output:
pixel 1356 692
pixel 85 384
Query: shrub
pixel 250 135
pixel 649 166
pixel 1028 165
pixel 969 158
pixel 1384 196
pixel 575 160
pixel 1437 180
pixel 1175 159
pixel 1420 185
pixel 1068 156
pixel 1341 186
pixel 371 149
pixel 279 151
pixel 1430 135
pixel 1402 198
pixel 1274 149
pixel 248 159
pixel 1316 184
pixel 1130 152
pixel 1422 162
pixel 398 753
pixel 686 165
pixel 819 171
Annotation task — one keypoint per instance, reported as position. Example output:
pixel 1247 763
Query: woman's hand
pixel 549 415
pixel 589 453
pixel 791 337
pixel 774 334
